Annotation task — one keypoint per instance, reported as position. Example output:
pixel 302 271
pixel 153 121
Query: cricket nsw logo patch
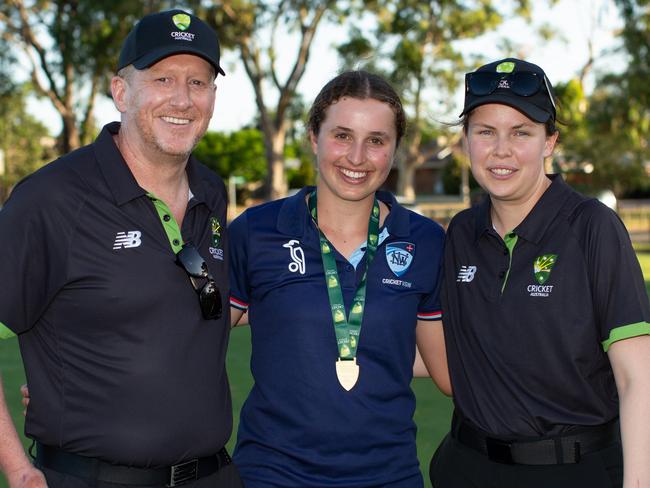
pixel 542 267
pixel 399 256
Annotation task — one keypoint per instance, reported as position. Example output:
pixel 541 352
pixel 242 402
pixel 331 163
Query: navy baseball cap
pixel 163 34
pixel 519 84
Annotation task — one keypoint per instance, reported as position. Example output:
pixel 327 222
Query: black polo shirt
pixel 120 363
pixel 528 319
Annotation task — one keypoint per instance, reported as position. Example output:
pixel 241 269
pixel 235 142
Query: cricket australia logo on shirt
pixel 127 240
pixel 215 228
pixel 297 264
pixel 466 274
pixel 542 267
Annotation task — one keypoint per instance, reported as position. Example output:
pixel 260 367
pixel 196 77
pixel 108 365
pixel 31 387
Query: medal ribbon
pixel 347 330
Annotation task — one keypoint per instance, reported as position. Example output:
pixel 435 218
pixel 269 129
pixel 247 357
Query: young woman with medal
pixel 337 281
pixel 546 312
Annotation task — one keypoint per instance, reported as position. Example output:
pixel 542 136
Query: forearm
pixel 635 432
pixel 13 459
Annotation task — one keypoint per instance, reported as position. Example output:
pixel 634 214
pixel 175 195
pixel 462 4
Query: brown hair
pixel 361 85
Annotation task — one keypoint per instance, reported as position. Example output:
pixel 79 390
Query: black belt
pixel 96 469
pixel 565 449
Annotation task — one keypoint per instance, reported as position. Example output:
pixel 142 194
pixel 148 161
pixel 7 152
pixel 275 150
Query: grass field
pixel 432 414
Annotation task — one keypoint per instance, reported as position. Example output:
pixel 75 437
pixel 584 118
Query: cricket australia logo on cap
pixel 182 23
pixel 542 267
pixel 399 256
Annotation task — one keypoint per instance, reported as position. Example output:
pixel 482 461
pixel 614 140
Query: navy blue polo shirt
pixel 120 363
pixel 299 427
pixel 528 319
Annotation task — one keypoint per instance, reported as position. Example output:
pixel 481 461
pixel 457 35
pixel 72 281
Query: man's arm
pixel 431 344
pixel 630 359
pixel 15 465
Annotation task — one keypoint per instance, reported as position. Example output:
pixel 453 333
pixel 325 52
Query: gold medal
pixel 347 372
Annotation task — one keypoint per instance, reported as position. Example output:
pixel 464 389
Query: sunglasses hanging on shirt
pixel 202 281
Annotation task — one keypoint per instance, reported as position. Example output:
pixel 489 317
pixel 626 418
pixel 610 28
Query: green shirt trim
pixel 5 332
pixel 168 222
pixel 625 332
pixel 510 239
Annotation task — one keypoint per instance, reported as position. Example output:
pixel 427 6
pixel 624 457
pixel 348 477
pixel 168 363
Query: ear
pixel 119 87
pixel 549 145
pixel 313 139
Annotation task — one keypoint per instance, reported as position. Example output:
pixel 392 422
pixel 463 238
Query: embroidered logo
pixel 297 263
pixel 127 239
pixel 182 21
pixel 215 227
pixel 466 274
pixel 399 256
pixel 542 267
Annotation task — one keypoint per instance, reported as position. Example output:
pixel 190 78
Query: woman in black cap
pixel 546 313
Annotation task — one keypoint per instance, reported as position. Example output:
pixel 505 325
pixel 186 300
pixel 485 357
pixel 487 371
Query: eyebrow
pixel 518 126
pixel 372 133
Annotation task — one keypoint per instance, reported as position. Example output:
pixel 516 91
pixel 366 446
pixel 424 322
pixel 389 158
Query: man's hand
pixel 24 391
pixel 28 477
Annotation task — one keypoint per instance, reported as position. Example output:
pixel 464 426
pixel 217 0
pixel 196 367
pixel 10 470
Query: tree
pixel 251 27
pixel 23 140
pixel 414 44
pixel 72 47
pixel 609 130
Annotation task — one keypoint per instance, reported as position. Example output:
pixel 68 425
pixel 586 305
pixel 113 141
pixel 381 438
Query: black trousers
pixel 457 466
pixel 226 477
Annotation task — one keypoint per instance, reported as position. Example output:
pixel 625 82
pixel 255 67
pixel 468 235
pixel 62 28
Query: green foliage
pixel 23 139
pixel 607 132
pixel 239 153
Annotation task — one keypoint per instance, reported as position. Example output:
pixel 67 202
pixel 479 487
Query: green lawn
pixel 432 414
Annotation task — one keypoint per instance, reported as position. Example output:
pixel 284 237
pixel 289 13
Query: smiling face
pixel 166 108
pixel 354 148
pixel 507 151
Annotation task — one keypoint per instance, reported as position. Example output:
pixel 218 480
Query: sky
pixel 577 21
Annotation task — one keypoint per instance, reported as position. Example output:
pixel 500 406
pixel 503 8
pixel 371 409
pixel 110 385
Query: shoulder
pixel 463 221
pixel 424 225
pixel 62 181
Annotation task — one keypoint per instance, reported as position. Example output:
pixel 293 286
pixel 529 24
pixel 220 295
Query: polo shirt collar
pixel 534 225
pixel 121 181
pixel 397 221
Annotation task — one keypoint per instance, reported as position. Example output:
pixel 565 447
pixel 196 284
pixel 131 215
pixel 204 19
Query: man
pixel 114 279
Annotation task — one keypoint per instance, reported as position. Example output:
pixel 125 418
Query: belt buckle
pixel 498 450
pixel 183 472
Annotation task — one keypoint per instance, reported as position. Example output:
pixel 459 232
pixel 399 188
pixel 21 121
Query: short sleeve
pixel 430 307
pixel 238 242
pixel 33 250
pixel 618 290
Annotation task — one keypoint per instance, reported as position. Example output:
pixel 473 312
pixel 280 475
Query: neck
pixel 506 215
pixel 345 223
pixel 165 178
pixel 344 216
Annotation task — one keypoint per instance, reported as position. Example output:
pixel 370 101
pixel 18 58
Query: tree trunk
pixel 277 182
pixel 69 138
pixel 406 179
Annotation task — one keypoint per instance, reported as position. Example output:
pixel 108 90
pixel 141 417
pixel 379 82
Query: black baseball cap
pixel 163 34
pixel 519 84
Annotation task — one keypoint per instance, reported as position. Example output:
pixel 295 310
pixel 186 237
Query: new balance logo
pixel 127 239
pixel 466 274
